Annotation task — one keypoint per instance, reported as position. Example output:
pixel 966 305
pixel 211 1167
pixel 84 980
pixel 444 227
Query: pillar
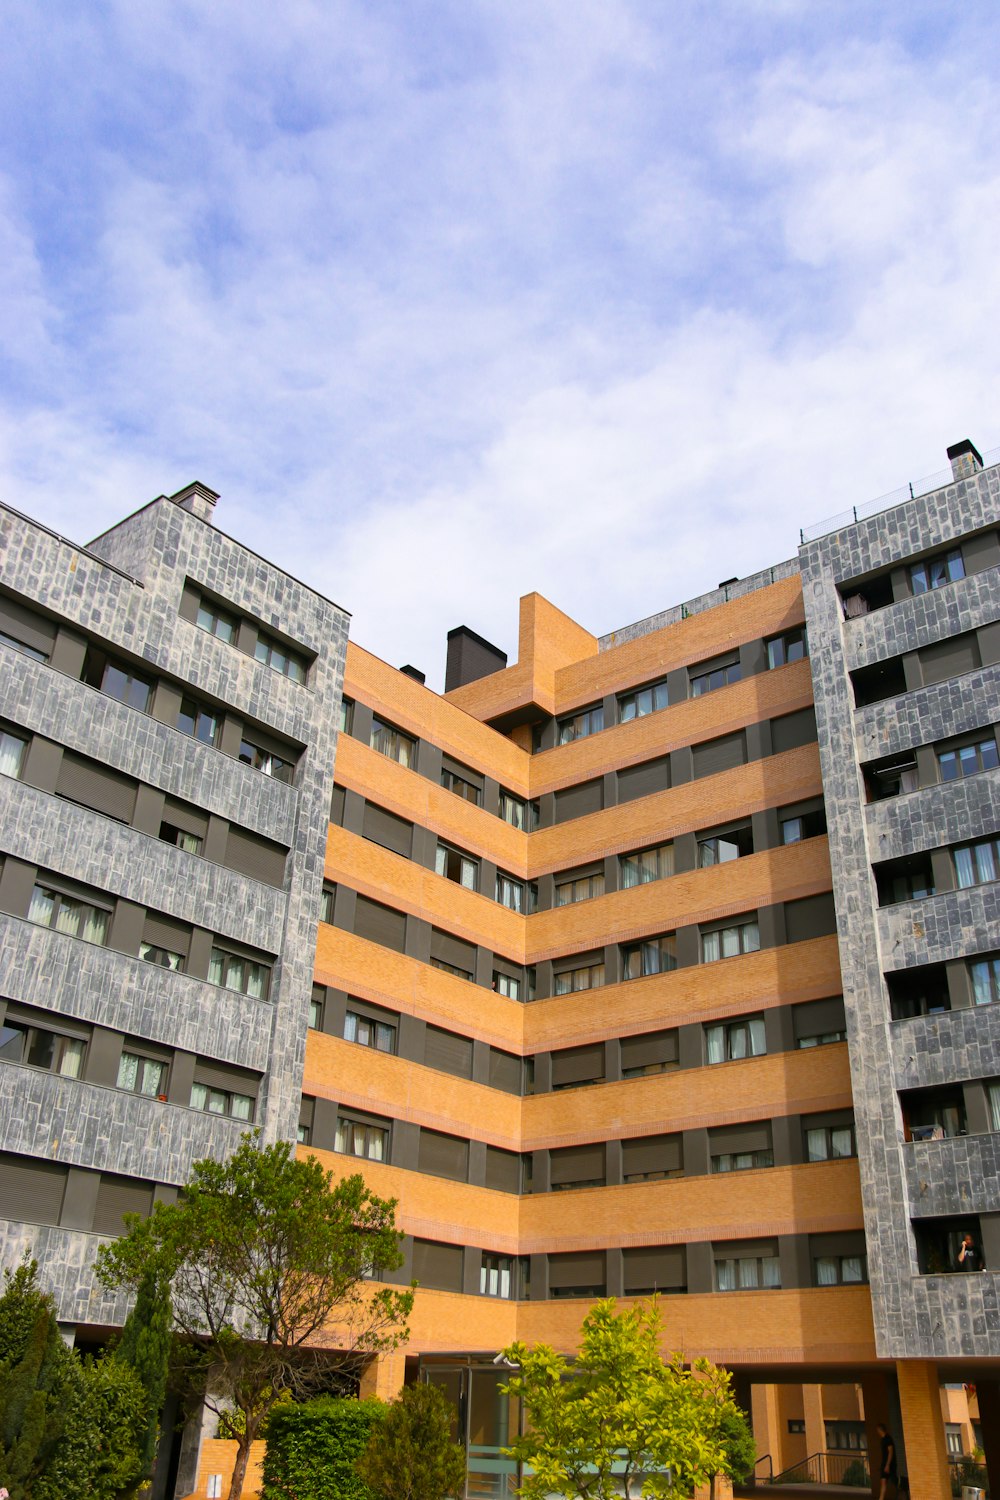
pixel 383 1376
pixel 812 1403
pixel 920 1406
pixel 767 1433
pixel 876 1403
pixel 988 1394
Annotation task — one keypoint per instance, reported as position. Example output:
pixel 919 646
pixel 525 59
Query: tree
pixel 33 1373
pixel 99 1452
pixel 267 1261
pixel 145 1345
pixel 619 1415
pixel 737 1440
pixel 312 1447
pixel 411 1455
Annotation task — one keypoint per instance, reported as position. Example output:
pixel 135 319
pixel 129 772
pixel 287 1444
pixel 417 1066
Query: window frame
pixel 285 660
pixel 752 1027
pixel 361 1020
pixel 728 671
pixel 955 751
pixel 593 983
pixel 452 854
pixel 653 689
pixel 87 902
pixel 229 1097
pixel 526 810
pixel 143 1059
pixel 193 709
pixel 231 956
pixel 524 892
pixel 575 881
pixel 722 837
pixel 580 725
pixel 216 616
pixel 975 853
pixel 778 646
pixel 720 934
pixel 990 962
pixel 764 1265
pixel 12 737
pixel 395 744
pixel 659 851
pixel 665 946
pixel 267 762
pixel 828 1131
pixel 32 1031
pixel 925 566
pixel 355 1122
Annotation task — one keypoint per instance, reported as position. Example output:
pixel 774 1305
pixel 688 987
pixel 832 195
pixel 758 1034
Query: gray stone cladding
pixel 124 590
pixel 66 1258
pixel 947 1048
pixel 954 1176
pixel 915 1315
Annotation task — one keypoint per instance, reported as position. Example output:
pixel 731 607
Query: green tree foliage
pixel 619 1417
pixel 737 1440
pixel 267 1260
pixel 145 1346
pixel 412 1456
pixel 99 1452
pixel 312 1448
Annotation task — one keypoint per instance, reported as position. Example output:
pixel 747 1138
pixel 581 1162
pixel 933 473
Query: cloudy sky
pixel 456 299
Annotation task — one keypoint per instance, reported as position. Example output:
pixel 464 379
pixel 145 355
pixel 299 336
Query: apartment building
pixel 663 961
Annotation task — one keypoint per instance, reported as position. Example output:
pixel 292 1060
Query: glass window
pixel 583 888
pixel 216 621
pixel 497 1276
pixel 716 677
pixel 505 985
pixel 840 1270
pixel 69 914
pixel 165 958
pixel 792 646
pixel 728 942
pixel 452 782
pixel 138 1074
pixel 747 1273
pixel 38 1047
pixel 439 963
pixel 25 650
pixel 935 572
pixel 736 1040
pixel 808 825
pixel 985 974
pixel 977 864
pixel 647 865
pixel 354 1138
pixel 587 977
pixel 579 726
pixel 326 902
pixel 232 971
pixel 518 895
pixel 12 748
pixel 266 761
pixel 280 658
pixel 968 760
pixel 128 686
pixel 368 1033
pixel 720 848
pixel 454 865
pixel 189 842
pixel 830 1143
pixel 346 715
pixel 517 812
pixel 221 1102
pixel 822 1039
pixel 198 722
pixel 654 956
pixel 647 700
pixel 393 743
pixel 742 1161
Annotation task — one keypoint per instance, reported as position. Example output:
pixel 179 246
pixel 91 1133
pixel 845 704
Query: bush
pixel 99 1453
pixel 312 1447
pixel 856 1474
pixel 412 1456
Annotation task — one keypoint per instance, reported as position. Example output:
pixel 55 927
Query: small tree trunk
pixel 240 1466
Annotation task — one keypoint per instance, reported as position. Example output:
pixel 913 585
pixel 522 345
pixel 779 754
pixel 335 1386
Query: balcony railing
pixel 910 491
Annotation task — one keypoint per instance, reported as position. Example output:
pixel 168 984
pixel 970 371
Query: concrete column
pixel 812 1403
pixel 988 1393
pixel 876 1403
pixel 920 1406
pixel 767 1429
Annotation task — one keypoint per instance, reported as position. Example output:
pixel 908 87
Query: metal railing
pixel 910 491
pixel 849 1469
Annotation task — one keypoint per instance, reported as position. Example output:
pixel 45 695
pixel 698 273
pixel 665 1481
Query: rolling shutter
pixel 25 626
pixel 578 1065
pixel 583 1268
pixel 792 730
pixel 163 932
pixel 503 1170
pixel 577 1164
pixel 720 755
pixel 578 801
pixel 105 791
pixel 443 1155
pixel 949 658
pixel 31 1191
pixel 652 1153
pixel 651 1268
pixel 649 1048
pixel 383 827
pixel 819 1016
pixel 505 1071
pixel 464 773
pixel 248 854
pixel 437 1265
pixel 642 780
pixel 187 819
pixel 453 950
pixel 337 806
pixel 448 1052
pixel 813 917
pixel 753 1136
pixel 117 1196
pixel 225 1076
pixel 380 924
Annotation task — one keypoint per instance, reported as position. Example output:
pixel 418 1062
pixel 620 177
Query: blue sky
pixel 453 301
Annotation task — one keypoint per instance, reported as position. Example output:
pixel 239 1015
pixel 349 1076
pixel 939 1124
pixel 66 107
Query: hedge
pixel 311 1448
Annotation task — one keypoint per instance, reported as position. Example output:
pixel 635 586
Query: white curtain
pixel 994 1096
pixel 826 1271
pixel 128 1070
pixel 715 1040
pixel 772 1271
pixel 11 751
pixel 725 1275
pixel 964 868
pixel 42 906
pixel 758 1043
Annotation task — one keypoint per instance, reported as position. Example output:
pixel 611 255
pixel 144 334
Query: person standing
pixel 970 1257
pixel 888 1469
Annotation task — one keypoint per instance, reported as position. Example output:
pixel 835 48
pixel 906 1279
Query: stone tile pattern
pixel 126 589
pixel 932 1050
pixel 915 1316
pixel 934 816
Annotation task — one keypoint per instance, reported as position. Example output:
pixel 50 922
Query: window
pixel 647 700
pixel 747 1272
pixel 368 1032
pixel 165 958
pixel 216 621
pixel 327 901
pixel 138 1074
pixel 735 1040
pixel 222 1101
pixel 69 914
pixel 393 743
pixel 741 1161
pixel 200 723
pixel 587 977
pixel 895 776
pixel 190 842
pixel 840 1270
pixel 499 1276
pixel 579 726
pixel 908 879
pixel 454 865
pixel 517 812
pixel 38 1047
pixel 232 971
pixel 583 888
pixel 953 1439
pixel 715 677
pixel 985 975
pixel 23 647
pixel 346 715
pixel 830 1142
pixel 275 766
pixel 849 1437
pixel 792 646
pixel 720 848
pixel 317 1006
pixel 360 1138
pixel 518 895
pixel 968 760
pixel 117 679
pixel 796 1424
pixel 727 942
pixel 808 825
pixel 646 865
pixel 12 748
pixel 509 985
pixel 656 955
pixel 935 572
pixel 822 1039
pixel 977 864
pixel 453 782
pixel 280 658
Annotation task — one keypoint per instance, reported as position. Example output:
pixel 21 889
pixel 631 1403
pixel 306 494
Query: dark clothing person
pixel 887 1468
pixel 970 1257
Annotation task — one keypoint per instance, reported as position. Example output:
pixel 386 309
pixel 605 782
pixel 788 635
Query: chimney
pixel 198 499
pixel 965 459
pixel 414 672
pixel 470 657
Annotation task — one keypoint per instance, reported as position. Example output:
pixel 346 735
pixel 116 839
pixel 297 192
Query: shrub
pixel 412 1456
pixel 312 1447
